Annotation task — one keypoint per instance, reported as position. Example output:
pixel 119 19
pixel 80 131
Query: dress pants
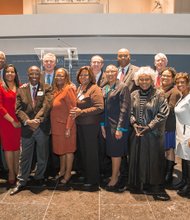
pixel 88 148
pixel 28 144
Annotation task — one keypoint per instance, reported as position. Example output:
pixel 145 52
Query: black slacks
pixel 88 148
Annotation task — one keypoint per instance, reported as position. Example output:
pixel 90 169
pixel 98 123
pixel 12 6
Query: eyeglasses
pixel 110 71
pixel 166 76
pixel 84 75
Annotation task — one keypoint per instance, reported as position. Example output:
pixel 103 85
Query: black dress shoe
pixel 179 185
pixel 17 189
pixel 89 187
pixel 37 183
pixel 185 191
pixel 161 196
pixel 111 188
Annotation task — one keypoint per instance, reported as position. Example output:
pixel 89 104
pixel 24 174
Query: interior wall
pixel 11 7
pixel 128 6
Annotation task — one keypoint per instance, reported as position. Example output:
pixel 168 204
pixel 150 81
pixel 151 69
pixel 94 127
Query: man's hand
pixel 33 124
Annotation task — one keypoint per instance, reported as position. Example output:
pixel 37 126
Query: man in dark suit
pixel 125 74
pixel 32 109
pixel 49 64
pixel 97 63
pixel 3 170
pixel 126 70
pixel 48 76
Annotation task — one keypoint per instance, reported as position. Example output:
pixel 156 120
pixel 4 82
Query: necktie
pixel 33 92
pixel 48 79
pixel 158 81
pixel 122 74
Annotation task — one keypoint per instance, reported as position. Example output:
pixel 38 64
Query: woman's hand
pixel 68 133
pixel 140 130
pixel 16 124
pixel 118 134
pixel 103 131
pixel 75 112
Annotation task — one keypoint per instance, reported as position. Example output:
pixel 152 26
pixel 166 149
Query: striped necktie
pixel 122 74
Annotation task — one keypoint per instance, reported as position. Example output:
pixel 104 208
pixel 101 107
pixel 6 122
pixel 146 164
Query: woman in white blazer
pixel 182 112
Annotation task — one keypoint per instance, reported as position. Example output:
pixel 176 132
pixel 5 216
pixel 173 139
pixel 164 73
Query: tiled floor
pixel 76 205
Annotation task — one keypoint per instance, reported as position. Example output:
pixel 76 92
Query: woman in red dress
pixel 9 126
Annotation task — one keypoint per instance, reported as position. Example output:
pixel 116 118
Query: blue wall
pixel 22 62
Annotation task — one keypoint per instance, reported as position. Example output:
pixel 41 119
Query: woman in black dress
pixel 116 122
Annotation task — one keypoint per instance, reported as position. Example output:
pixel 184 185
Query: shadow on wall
pixel 22 62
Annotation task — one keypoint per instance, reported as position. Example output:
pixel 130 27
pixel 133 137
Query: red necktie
pixel 158 81
pixel 122 74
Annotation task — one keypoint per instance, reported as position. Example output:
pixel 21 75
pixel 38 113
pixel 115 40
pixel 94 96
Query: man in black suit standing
pixel 97 63
pixel 126 70
pixel 48 75
pixel 3 170
pixel 32 109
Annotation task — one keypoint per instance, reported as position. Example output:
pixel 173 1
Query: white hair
pixel 160 56
pixel 49 55
pixel 97 56
pixel 147 70
pixel 2 53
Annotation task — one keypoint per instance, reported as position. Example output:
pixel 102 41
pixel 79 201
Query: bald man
pixel 126 70
pixel 33 108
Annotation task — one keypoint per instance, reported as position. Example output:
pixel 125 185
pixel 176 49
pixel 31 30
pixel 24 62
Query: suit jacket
pixel 129 78
pixel 42 78
pixel 92 105
pixel 117 106
pixel 63 102
pixel 102 81
pixel 172 95
pixel 25 109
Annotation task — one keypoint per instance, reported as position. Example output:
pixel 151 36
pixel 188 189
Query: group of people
pixel 120 128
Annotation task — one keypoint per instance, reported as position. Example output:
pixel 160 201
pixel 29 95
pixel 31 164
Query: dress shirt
pixel 51 78
pixel 120 71
pixel 98 76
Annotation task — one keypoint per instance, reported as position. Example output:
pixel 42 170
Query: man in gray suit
pixel 126 70
pixel 32 109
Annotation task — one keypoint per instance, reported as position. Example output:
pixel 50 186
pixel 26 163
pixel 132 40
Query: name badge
pixel 40 93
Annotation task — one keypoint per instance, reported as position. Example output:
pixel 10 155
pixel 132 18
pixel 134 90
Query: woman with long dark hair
pixel 9 125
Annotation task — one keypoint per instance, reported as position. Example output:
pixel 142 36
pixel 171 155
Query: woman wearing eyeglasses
pixel 172 94
pixel 90 105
